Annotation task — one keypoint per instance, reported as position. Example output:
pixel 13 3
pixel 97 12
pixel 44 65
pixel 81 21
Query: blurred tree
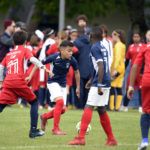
pixel 6 4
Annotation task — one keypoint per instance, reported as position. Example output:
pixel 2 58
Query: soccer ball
pixel 78 127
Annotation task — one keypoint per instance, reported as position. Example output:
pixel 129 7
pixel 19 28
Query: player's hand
pixel 130 93
pixel 88 84
pixel 78 92
pixel 100 91
pixel 50 74
pixel 28 79
pixel 1 83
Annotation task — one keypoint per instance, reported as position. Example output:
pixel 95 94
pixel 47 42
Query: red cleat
pixel 58 132
pixel 111 142
pixel 43 122
pixel 77 141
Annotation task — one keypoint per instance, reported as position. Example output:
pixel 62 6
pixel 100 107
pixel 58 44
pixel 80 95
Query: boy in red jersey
pixel 14 85
pixel 144 55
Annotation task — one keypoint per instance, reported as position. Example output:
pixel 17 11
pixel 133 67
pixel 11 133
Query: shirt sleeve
pixel 140 58
pixel 74 63
pixel 128 53
pixel 49 59
pixel 96 53
pixel 28 54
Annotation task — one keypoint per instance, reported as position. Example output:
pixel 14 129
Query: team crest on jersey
pixel 67 65
pixel 138 49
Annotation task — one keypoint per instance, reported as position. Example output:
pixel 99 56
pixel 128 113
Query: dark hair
pixel 66 43
pixel 104 29
pixel 82 17
pixel 34 40
pixel 80 30
pixel 137 33
pixel 122 35
pixel 47 32
pixel 20 37
pixel 96 34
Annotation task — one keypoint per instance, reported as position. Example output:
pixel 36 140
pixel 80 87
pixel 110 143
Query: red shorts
pixel 146 99
pixel 10 95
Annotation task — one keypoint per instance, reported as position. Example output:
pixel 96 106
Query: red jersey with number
pixel 14 63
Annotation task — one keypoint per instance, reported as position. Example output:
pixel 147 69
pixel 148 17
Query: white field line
pixel 59 146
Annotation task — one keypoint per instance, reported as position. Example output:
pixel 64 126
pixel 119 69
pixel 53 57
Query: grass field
pixel 15 123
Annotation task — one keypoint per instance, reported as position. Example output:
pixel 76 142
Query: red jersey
pixel 133 51
pixel 14 62
pixel 144 56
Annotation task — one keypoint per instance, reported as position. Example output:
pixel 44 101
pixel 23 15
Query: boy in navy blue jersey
pixel 98 95
pixel 57 84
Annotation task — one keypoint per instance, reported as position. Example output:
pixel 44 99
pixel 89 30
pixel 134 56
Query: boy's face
pixel 66 52
pixel 82 23
pixel 136 38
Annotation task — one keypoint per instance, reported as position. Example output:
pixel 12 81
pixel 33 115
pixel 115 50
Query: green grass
pixel 15 123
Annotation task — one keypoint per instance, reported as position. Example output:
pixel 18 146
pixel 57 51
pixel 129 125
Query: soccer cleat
pixel 43 122
pixel 58 132
pixel 143 146
pixel 111 142
pixel 77 141
pixel 123 108
pixel 36 133
pixel 140 109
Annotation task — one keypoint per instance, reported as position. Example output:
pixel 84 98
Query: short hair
pixel 66 43
pixel 21 25
pixel 137 33
pixel 20 37
pixel 34 40
pixel 82 17
pixel 7 23
pixel 96 34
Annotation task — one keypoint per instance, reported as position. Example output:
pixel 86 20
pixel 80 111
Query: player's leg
pixel 125 103
pixel 105 122
pixel 112 98
pixel 34 132
pixel 85 121
pixel 145 118
pixel 2 106
pixel 119 98
pixel 140 100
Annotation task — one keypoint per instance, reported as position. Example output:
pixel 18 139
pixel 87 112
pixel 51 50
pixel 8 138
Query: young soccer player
pixel 99 91
pixel 57 84
pixel 143 56
pixel 14 85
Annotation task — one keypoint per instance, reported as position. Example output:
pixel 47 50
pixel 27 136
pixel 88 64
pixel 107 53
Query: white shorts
pixel 94 99
pixel 56 91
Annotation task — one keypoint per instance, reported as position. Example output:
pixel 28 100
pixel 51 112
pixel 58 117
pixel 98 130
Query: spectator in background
pixel 20 26
pixel 107 44
pixel 67 29
pixel 82 22
pixel 48 41
pixel 73 34
pixel 117 68
pixel 131 55
pixel 84 46
pixel 6 42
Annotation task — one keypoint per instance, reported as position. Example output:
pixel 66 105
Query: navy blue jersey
pixel 61 68
pixel 99 53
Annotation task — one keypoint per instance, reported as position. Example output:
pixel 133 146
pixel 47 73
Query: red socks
pixel 105 122
pixel 50 114
pixel 85 121
pixel 57 113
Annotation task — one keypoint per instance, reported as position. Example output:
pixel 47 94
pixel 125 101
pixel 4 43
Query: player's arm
pixel 1 75
pixel 133 73
pixel 139 60
pixel 77 77
pixel 100 76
